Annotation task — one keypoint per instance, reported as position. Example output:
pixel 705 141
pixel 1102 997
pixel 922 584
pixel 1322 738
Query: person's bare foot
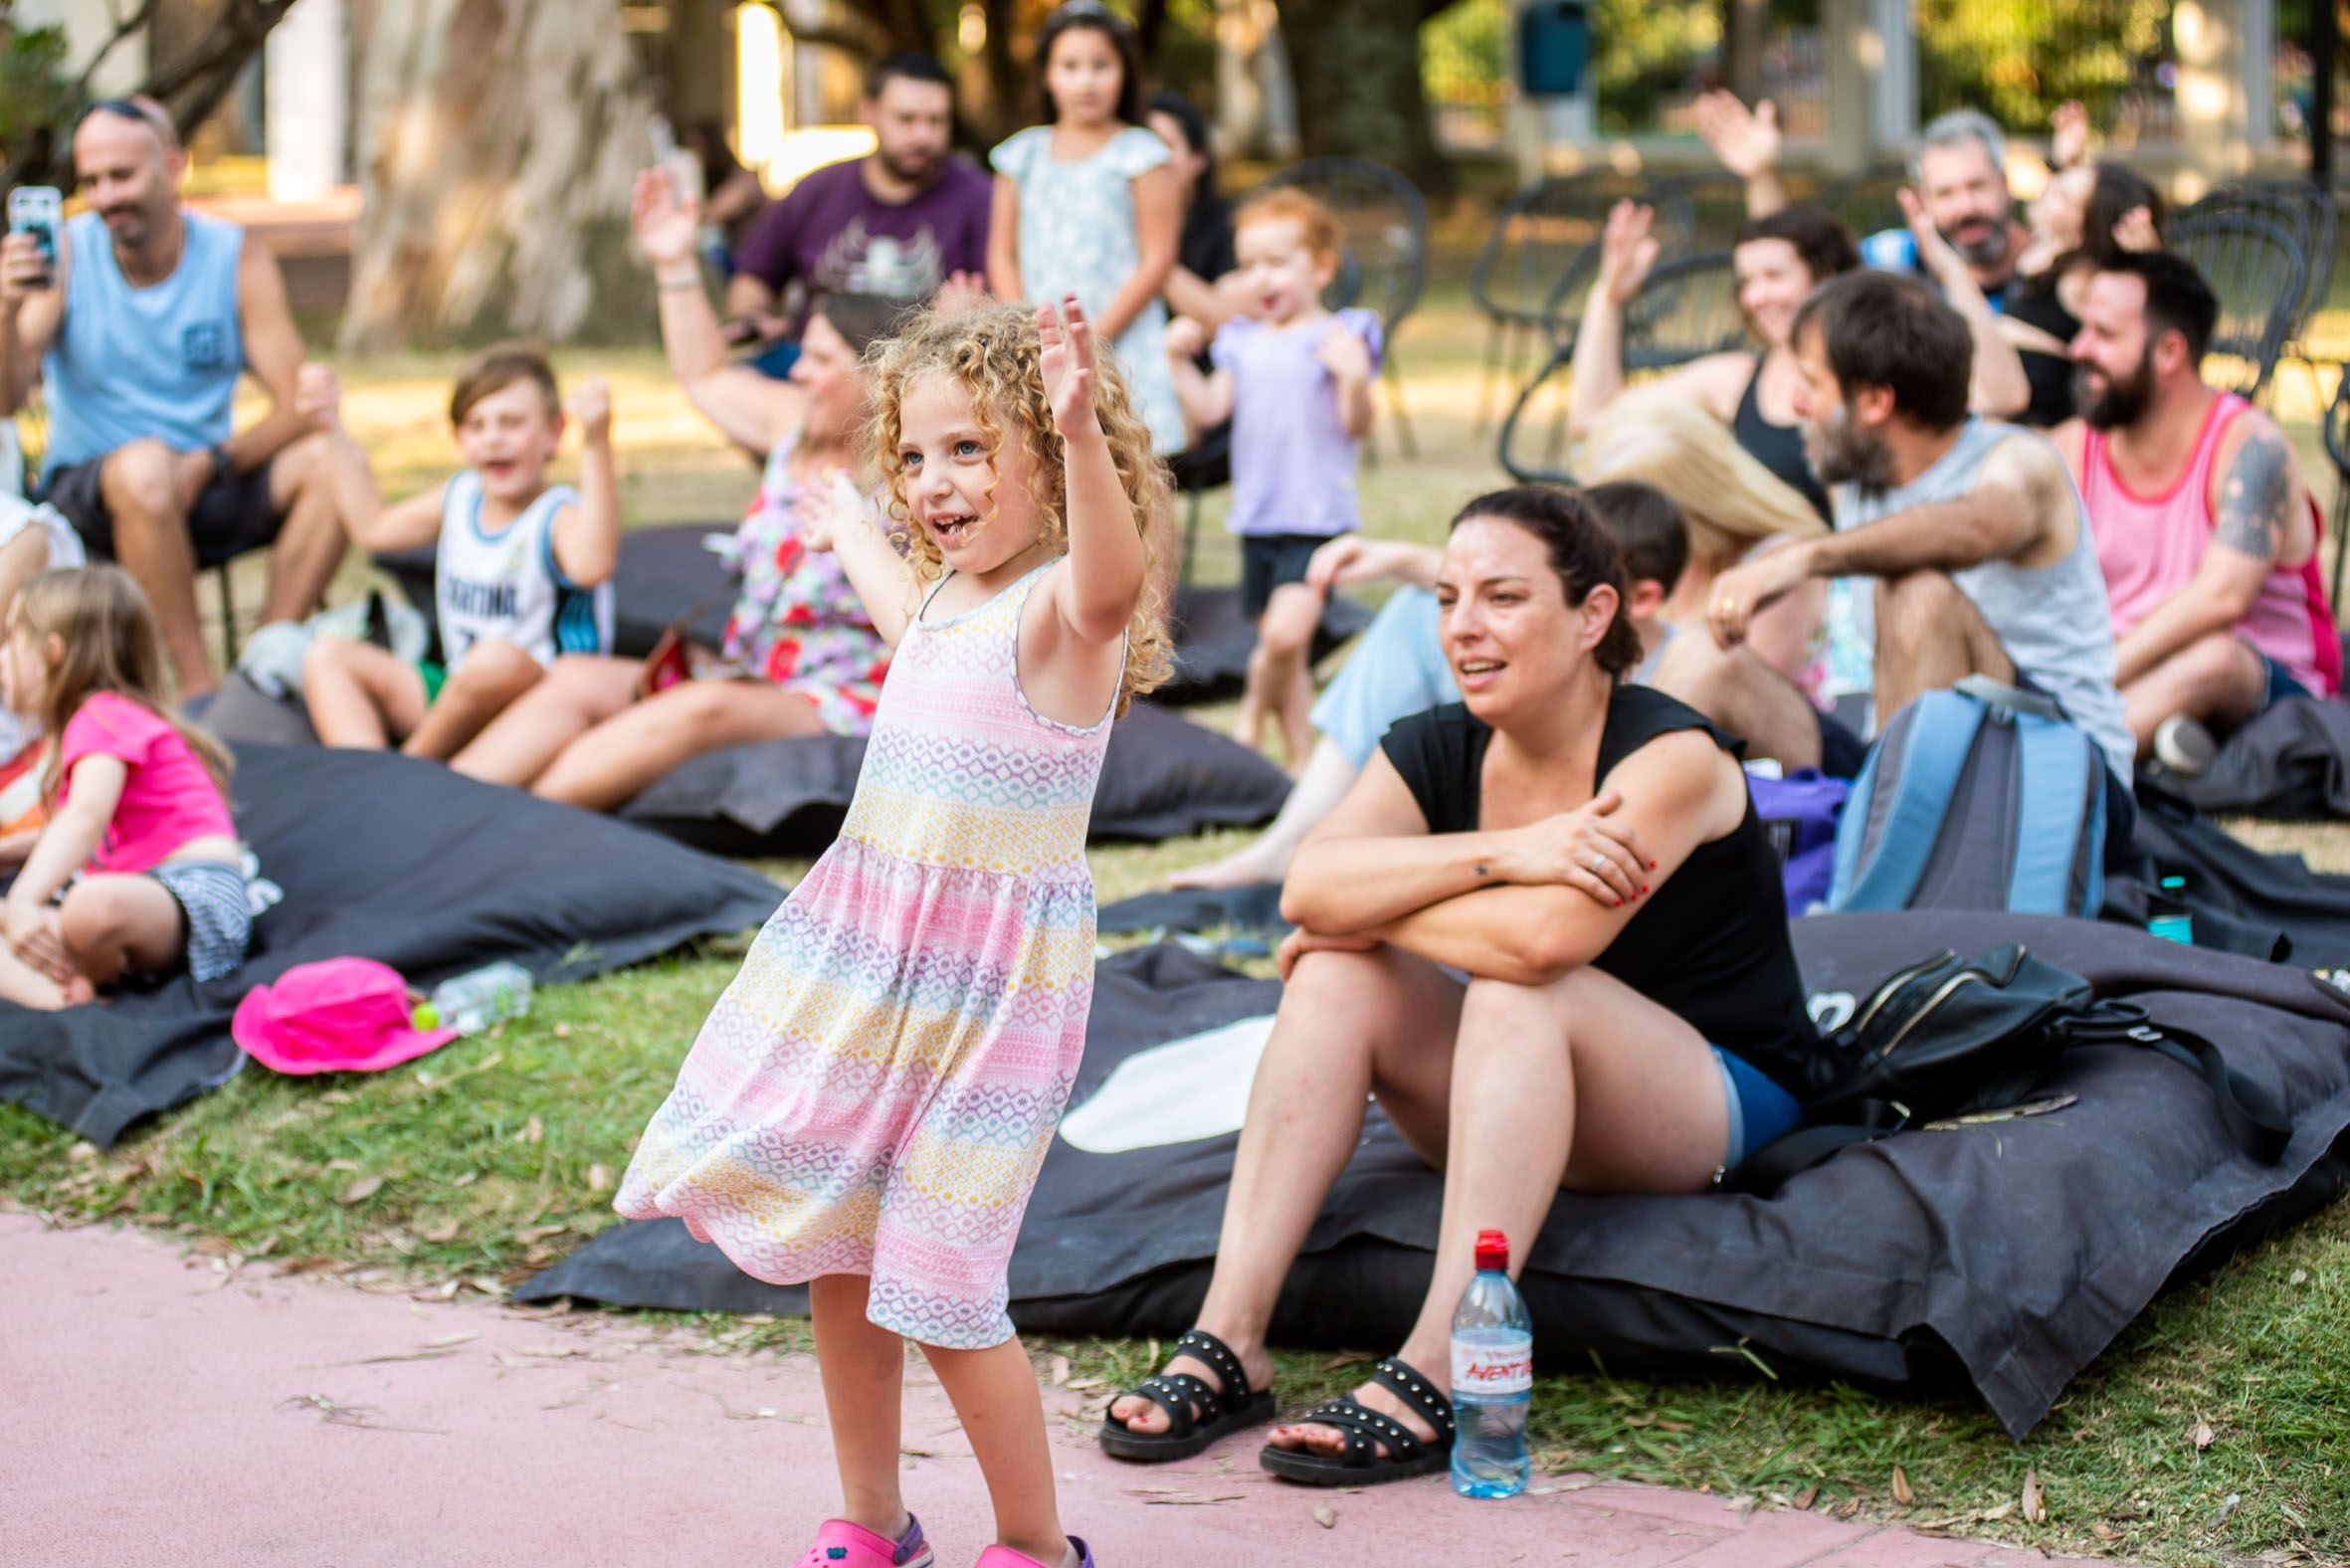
pixel 1333 1441
pixel 1258 861
pixel 1145 1417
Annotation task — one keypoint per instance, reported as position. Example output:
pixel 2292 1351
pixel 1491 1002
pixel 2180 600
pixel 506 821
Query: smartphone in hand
pixel 40 211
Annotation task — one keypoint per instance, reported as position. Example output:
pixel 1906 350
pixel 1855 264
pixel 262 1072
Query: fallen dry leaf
pixel 1901 1493
pixel 440 1232
pixel 1079 1385
pixel 364 1188
pixel 2035 1509
pixel 1806 1497
pixel 562 1031
pixel 599 1177
pixel 2202 1434
pixel 450 1339
pixel 313 1264
pixel 1326 1515
pixel 1060 1370
pixel 1344 1359
pixel 534 1130
pixel 2105 1533
pixel 1994 1515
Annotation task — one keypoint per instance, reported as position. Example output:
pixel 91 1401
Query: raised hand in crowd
pixel 960 292
pixel 590 407
pixel 2068 135
pixel 1627 251
pixel 667 224
pixel 2135 231
pixel 1747 142
pixel 1998 386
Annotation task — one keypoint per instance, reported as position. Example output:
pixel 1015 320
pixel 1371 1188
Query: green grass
pixel 468 1169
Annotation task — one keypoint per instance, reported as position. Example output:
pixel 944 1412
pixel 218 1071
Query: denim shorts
pixel 1760 1109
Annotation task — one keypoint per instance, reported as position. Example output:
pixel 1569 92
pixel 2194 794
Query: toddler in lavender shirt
pixel 1296 381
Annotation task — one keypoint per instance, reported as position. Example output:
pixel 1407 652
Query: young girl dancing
pixel 136 804
pixel 870 1102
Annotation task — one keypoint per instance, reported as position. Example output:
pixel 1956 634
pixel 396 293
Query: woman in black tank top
pixel 1526 931
pixel 1778 260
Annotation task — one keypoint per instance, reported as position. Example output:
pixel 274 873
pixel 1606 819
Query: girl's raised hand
pixel 1067 361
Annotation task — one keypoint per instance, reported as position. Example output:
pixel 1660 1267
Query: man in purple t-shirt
pixel 900 221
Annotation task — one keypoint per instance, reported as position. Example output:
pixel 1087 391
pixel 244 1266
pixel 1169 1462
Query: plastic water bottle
pixel 1492 1377
pixel 473 1001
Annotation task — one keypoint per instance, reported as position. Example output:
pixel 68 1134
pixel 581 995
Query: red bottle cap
pixel 1492 1249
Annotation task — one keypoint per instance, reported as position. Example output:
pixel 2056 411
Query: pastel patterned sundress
pixel 797 621
pixel 1078 237
pixel 876 1090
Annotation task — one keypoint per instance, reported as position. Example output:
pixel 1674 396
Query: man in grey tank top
pixel 1982 557
pixel 139 338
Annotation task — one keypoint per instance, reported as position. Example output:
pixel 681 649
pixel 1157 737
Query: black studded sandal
pixel 1197 1415
pixel 1362 1464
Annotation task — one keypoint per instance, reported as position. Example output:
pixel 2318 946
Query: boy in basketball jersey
pixel 524 569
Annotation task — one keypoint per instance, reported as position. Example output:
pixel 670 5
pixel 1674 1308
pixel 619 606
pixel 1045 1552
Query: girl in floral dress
pixel 869 1103
pixel 1089 203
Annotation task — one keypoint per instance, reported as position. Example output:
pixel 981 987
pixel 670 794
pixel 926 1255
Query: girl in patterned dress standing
pixel 869 1103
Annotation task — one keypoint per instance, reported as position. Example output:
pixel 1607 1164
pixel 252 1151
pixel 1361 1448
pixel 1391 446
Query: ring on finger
pixel 1598 864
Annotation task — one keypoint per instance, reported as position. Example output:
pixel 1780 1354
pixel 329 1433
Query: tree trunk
pixel 1744 24
pixel 1356 64
pixel 497 144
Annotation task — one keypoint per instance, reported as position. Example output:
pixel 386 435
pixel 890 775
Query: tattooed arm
pixel 2260 515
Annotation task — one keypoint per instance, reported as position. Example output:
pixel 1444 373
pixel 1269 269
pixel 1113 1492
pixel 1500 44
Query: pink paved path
pixel 158 1409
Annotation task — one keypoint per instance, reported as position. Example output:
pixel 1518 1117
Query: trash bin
pixel 1553 44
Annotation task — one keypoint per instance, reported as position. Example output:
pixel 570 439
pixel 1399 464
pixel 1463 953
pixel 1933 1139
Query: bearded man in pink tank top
pixel 2206 531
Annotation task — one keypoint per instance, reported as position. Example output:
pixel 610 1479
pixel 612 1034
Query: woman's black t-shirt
pixel 1712 945
pixel 2049 375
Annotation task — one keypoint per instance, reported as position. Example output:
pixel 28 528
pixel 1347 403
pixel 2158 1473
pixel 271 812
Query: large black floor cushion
pixel 1212 640
pixel 1163 777
pixel 2006 1255
pixel 380 856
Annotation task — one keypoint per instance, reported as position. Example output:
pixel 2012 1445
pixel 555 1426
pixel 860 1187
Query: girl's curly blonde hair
pixel 994 354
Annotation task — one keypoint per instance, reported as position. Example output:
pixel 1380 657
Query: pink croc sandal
pixel 840 1544
pixel 1006 1557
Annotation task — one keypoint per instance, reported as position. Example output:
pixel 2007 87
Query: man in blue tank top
pixel 140 339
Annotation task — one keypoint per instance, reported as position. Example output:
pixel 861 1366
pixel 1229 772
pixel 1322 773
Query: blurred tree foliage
pixel 2016 60
pixel 33 86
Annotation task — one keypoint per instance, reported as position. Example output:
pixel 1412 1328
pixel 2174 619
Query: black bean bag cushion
pixel 1163 777
pixel 1212 640
pixel 357 852
pixel 2004 1256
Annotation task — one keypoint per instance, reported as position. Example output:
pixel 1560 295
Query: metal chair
pixel 1716 200
pixel 1868 199
pixel 1385 265
pixel 2336 432
pixel 1544 232
pixel 1688 308
pixel 2308 212
pixel 2257 268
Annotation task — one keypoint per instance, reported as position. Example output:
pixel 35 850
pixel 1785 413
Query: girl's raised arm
pixel 1107 560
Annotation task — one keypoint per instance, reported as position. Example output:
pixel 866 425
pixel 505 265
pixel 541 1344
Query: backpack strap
pixel 2252 1116
pixel 1939 734
pixel 2055 813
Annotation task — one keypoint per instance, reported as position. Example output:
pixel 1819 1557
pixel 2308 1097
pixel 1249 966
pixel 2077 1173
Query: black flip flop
pixel 1362 1464
pixel 1197 1415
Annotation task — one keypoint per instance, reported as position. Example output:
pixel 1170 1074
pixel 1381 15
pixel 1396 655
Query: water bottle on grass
pixel 473 1001
pixel 1492 1377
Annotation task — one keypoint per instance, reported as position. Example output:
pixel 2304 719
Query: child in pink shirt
pixel 136 804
